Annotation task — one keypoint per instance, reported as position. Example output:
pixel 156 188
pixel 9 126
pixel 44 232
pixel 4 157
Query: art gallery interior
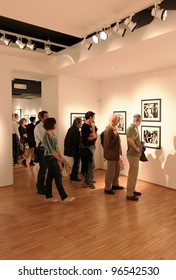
pixel 116 74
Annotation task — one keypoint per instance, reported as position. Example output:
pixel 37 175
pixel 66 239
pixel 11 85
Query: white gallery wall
pixel 77 96
pixel 8 65
pixel 125 94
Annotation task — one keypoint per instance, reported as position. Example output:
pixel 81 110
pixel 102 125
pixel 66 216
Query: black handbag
pixel 143 156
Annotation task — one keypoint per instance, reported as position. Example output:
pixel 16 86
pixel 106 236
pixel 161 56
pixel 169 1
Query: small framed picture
pixel 151 136
pixel 122 121
pixel 73 116
pixel 19 112
pixel 151 110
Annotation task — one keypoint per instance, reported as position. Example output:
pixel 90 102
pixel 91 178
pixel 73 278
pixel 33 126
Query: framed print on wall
pixel 151 110
pixel 151 136
pixel 73 116
pixel 122 121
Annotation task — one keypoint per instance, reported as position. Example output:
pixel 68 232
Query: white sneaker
pixel 69 199
pixel 52 199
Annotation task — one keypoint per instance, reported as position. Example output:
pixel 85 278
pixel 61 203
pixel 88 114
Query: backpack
pixel 102 138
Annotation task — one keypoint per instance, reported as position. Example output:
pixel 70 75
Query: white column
pixel 6 166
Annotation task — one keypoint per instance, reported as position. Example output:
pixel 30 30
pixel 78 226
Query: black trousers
pixel 75 168
pixel 54 173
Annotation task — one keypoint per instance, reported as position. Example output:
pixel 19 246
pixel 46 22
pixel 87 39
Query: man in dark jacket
pixel 112 153
pixel 71 147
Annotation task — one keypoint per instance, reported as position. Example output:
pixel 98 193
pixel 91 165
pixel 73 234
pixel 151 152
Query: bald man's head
pixel 113 120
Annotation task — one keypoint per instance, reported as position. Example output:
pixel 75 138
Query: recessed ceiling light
pixel 113 68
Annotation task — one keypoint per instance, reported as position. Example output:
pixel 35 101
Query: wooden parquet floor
pixel 94 226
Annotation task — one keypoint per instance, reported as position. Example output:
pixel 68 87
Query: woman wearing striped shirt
pixel 53 158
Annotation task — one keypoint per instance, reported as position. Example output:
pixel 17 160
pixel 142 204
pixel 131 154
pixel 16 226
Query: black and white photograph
pixel 151 110
pixel 122 121
pixel 73 116
pixel 151 136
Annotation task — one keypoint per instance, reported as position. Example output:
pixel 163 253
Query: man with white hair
pixel 112 153
pixel 133 154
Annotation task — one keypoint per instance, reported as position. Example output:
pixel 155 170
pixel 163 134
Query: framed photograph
pixel 151 136
pixel 122 121
pixel 19 112
pixel 73 116
pixel 151 110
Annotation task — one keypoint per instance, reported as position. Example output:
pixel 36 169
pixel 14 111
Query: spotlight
pixel 87 45
pixel 31 46
pixel 48 50
pixel 119 30
pixel 130 24
pixel 159 13
pixel 20 44
pixel 5 40
pixel 95 38
pixel 103 35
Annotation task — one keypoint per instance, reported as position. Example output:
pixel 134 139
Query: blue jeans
pixel 42 171
pixel 91 166
pixel 54 173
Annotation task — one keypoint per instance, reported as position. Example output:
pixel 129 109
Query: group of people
pixel 23 140
pixel 80 144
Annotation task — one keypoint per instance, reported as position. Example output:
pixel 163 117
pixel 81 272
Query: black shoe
pixel 133 197
pixel 117 188
pixel 42 192
pixel 109 191
pixel 137 193
pixel 76 180
pixel 31 163
pixel 24 163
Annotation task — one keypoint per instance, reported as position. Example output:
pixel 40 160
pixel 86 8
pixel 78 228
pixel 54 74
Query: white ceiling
pixel 80 18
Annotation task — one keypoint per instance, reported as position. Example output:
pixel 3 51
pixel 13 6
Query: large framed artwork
pixel 73 116
pixel 151 136
pixel 122 121
pixel 151 110
pixel 19 112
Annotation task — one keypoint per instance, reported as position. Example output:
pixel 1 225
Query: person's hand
pixel 142 144
pixel 138 150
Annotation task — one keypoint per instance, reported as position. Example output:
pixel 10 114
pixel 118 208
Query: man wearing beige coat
pixel 112 153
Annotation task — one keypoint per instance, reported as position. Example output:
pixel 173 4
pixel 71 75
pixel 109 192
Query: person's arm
pixel 92 135
pixel 133 145
pixel 38 134
pixel 51 150
pixel 15 129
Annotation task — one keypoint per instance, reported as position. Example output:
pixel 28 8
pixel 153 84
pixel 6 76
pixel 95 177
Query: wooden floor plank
pixel 94 226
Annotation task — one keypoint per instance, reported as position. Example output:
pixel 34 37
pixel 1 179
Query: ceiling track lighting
pixel 130 24
pixel 120 31
pixel 48 50
pixel 159 13
pixel 5 40
pixel 30 45
pixel 105 33
pixel 96 38
pixel 86 44
pixel 20 44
